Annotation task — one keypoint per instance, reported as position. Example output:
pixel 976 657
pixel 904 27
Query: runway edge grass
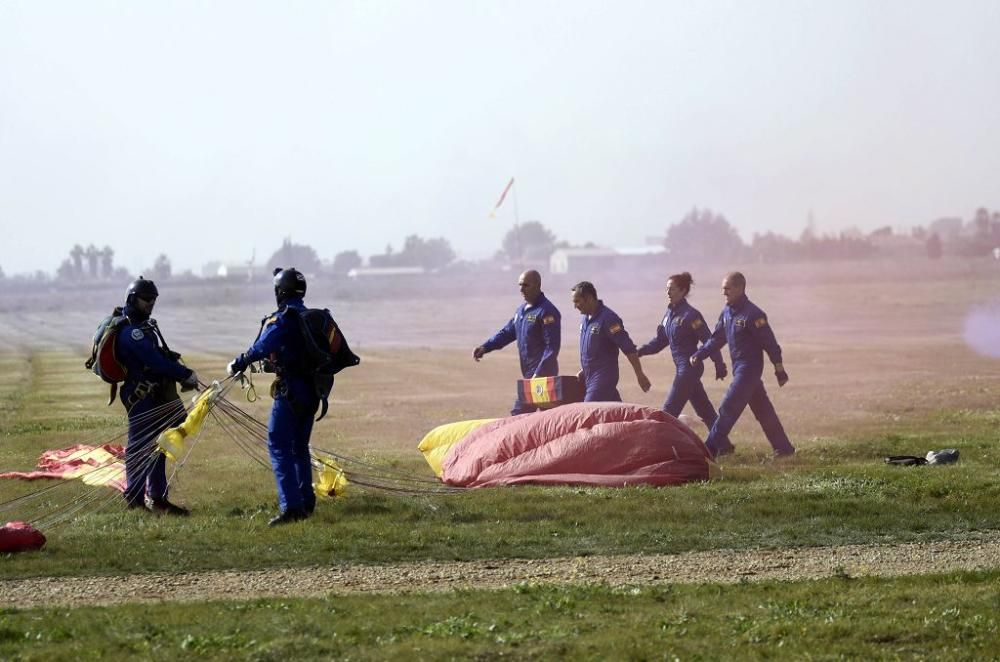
pixel 836 491
pixel 949 616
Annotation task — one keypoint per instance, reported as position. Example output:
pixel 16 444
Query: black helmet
pixel 288 283
pixel 142 288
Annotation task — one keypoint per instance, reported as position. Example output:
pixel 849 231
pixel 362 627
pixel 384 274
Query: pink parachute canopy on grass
pixel 94 465
pixel 604 444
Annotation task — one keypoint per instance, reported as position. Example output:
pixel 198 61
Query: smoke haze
pixel 224 127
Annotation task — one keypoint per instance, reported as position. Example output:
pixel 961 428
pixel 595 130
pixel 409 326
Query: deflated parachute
pixel 436 443
pixel 94 465
pixel 606 444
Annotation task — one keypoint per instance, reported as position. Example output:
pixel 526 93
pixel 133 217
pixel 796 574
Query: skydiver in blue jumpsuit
pixel 682 329
pixel 282 343
pixel 536 328
pixel 602 335
pixel 149 394
pixel 745 328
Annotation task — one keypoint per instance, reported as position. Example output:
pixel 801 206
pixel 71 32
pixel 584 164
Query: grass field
pixel 950 617
pixel 877 368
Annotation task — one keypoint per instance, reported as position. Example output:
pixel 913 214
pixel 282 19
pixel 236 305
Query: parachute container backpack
pixel 327 351
pixel 103 359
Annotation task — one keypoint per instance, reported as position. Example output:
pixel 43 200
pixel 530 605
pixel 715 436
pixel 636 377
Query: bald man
pixel 536 328
pixel 744 327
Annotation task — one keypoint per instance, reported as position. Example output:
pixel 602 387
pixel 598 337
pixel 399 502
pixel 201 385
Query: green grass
pixel 836 491
pixel 82 423
pixel 832 495
pixel 952 616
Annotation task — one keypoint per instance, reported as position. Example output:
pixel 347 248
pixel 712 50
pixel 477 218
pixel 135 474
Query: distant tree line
pixel 429 254
pixel 90 263
pixel 977 237
pixel 702 235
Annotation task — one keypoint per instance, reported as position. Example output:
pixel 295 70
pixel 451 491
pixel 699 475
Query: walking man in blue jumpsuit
pixel 745 328
pixel 536 328
pixel 602 336
pixel 682 329
pixel 149 394
pixel 281 344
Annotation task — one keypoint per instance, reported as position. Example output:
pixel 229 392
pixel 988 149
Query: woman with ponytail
pixel 682 329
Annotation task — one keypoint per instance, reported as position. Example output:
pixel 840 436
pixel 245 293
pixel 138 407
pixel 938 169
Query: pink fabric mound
pixel 20 537
pixel 609 444
pixel 97 465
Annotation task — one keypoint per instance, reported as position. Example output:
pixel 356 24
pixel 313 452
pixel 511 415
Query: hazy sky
pixel 210 129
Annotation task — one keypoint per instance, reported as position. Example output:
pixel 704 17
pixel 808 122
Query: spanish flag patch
pixel 615 328
pixel 760 322
pixel 271 320
pixel 697 324
pixel 548 319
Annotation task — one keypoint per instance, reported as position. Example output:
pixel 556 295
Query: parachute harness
pixel 246 383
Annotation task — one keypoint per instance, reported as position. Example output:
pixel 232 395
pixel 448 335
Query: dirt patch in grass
pixel 720 566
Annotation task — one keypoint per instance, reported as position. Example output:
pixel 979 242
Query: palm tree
pixel 77 255
pixel 107 262
pixel 92 257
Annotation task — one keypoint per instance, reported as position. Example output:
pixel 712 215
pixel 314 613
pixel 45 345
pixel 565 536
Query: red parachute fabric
pixel 20 537
pixel 605 444
pixel 96 465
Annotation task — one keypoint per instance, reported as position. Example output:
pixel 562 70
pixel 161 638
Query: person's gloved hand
pixel 236 366
pixel 191 382
pixel 780 374
pixel 720 370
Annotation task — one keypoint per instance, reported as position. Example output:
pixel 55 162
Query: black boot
pixel 164 507
pixel 288 517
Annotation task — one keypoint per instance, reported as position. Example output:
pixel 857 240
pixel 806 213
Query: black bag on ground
pixel 906 460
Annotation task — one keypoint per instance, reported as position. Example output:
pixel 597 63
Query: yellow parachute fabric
pixel 173 441
pixel 332 482
pixel 109 475
pixel 436 443
pixel 98 467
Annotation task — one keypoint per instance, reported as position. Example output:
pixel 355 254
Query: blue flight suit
pixel 149 370
pixel 295 403
pixel 602 335
pixel 745 328
pixel 682 329
pixel 537 329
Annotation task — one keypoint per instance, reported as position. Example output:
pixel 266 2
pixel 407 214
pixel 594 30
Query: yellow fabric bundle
pixel 332 481
pixel 436 443
pixel 173 441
